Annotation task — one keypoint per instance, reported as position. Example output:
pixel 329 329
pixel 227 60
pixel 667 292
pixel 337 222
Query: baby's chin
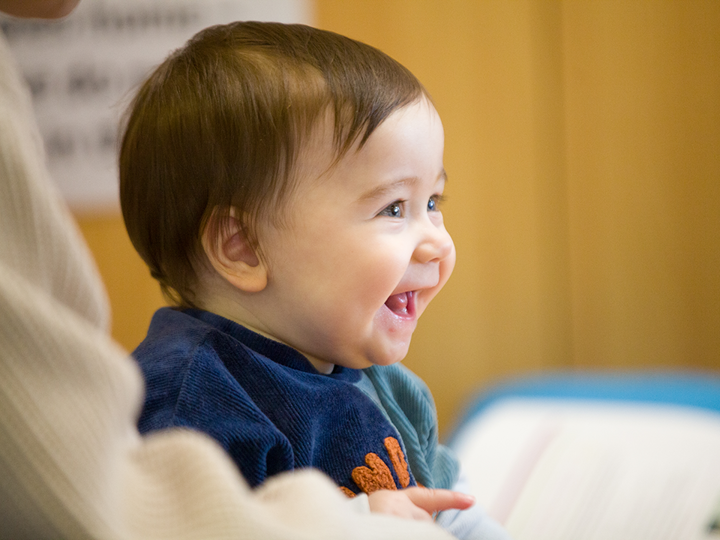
pixel 388 358
pixel 377 359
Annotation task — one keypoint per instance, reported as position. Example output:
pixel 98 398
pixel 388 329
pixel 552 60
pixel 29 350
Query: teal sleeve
pixel 409 405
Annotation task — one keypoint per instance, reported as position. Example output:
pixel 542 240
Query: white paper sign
pixel 83 70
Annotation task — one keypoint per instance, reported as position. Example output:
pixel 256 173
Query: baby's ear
pixel 230 253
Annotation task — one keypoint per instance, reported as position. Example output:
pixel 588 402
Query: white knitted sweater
pixel 72 464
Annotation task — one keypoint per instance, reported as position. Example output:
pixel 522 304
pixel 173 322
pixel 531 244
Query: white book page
pixel 596 470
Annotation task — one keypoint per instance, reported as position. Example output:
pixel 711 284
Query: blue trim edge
pixel 686 388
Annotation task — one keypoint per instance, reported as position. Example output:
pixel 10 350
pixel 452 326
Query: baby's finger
pixel 437 500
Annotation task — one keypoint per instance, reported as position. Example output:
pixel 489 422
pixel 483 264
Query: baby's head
pixel 288 178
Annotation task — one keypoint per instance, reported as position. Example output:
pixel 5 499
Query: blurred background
pixel 583 152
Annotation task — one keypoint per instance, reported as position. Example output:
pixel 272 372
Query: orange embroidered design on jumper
pixel 377 475
pixel 397 458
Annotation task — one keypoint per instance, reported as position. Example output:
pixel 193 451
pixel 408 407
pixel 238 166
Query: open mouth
pixel 402 304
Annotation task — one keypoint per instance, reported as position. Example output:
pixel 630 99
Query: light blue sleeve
pixel 473 523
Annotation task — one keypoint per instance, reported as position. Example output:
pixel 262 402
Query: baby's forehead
pixel 327 146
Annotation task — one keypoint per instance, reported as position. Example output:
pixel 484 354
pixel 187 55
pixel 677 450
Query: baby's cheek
pixel 380 277
pixel 446 266
pixel 445 270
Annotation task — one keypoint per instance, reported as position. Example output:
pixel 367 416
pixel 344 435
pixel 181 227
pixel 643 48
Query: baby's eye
pixel 393 210
pixel 434 203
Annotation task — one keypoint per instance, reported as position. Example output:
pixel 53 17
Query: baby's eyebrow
pixel 381 190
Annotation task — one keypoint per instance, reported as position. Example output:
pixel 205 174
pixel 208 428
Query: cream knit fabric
pixel 72 464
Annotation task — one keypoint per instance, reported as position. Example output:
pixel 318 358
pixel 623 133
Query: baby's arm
pixel 418 503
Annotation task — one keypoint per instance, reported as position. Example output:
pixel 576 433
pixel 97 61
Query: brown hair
pixel 219 125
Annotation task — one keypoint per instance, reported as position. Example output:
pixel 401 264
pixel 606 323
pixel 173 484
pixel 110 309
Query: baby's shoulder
pixel 404 386
pixel 398 376
pixel 180 354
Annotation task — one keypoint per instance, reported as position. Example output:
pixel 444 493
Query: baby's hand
pixel 418 503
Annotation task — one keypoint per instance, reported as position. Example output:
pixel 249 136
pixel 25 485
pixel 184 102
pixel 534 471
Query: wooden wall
pixel 583 150
pixel 134 295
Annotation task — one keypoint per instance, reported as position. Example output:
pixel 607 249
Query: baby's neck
pixel 244 318
pixel 323 367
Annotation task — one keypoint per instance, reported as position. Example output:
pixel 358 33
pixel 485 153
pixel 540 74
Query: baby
pixel 284 185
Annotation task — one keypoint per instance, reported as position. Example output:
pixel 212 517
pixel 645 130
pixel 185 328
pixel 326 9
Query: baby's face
pixel 365 248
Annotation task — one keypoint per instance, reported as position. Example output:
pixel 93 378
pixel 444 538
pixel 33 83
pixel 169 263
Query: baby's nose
pixel 436 245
